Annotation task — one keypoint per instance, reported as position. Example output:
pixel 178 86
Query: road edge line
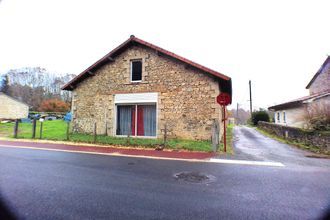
pixel 247 162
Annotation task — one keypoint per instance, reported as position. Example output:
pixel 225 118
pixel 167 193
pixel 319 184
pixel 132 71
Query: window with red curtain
pixel 136 120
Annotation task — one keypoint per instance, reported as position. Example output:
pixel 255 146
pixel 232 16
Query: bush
pixel 320 123
pixel 260 115
pixel 54 105
pixel 317 116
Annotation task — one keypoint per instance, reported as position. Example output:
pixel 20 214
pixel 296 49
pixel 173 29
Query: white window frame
pixel 279 117
pixel 135 104
pixel 131 70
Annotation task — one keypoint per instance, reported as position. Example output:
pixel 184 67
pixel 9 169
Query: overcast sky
pixel 279 45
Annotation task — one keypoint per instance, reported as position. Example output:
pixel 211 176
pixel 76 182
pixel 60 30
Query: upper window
pixel 278 117
pixel 284 117
pixel 136 70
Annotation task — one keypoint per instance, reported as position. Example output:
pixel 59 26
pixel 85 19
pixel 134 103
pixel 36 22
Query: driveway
pixel 249 144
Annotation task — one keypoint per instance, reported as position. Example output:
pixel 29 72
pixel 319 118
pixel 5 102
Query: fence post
pixel 16 128
pixel 215 135
pixel 165 134
pixel 34 127
pixel 67 131
pixel 128 141
pixel 41 124
pixel 94 141
pixel 106 129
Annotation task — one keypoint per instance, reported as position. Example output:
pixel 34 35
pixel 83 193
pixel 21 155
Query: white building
pixel 11 108
pixel 295 113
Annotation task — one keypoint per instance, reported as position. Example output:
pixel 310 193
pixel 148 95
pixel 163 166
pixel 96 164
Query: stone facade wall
pixel 186 97
pixel 311 138
pixel 12 109
pixel 322 82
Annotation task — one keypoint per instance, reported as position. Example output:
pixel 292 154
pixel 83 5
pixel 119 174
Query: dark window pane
pixel 124 120
pixel 136 70
pixel 146 120
pixel 149 120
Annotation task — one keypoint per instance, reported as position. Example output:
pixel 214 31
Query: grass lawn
pixel 56 130
pixel 229 139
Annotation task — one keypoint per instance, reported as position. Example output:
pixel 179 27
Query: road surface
pixel 249 144
pixel 40 184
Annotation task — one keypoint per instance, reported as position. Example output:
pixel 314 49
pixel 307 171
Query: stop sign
pixel 223 98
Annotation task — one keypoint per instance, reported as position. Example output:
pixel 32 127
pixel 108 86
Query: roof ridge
pixel 327 60
pixel 301 99
pixel 132 38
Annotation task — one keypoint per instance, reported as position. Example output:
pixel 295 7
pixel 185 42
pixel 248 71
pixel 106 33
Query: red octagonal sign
pixel 223 99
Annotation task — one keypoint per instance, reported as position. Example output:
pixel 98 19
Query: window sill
pixel 135 82
pixel 142 137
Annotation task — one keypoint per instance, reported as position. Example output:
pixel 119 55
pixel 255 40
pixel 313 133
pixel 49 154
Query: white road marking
pixel 212 160
pixel 247 162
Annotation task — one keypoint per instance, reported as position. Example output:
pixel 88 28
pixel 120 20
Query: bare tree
pixel 317 114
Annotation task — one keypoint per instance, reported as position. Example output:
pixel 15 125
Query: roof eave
pixel 318 72
pixel 72 83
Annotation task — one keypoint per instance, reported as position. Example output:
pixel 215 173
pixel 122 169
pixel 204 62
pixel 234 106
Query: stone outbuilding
pixel 296 113
pixel 139 89
pixel 11 108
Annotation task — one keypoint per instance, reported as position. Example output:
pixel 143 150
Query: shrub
pixel 320 123
pixel 54 105
pixel 317 115
pixel 260 115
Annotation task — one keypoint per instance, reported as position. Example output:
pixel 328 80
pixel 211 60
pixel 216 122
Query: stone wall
pixel 186 96
pixel 12 109
pixel 310 138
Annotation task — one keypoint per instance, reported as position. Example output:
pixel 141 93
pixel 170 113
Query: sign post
pixel 223 100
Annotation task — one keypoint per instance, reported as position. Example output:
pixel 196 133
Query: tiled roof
pixel 16 100
pixel 326 64
pixel 134 40
pixel 298 102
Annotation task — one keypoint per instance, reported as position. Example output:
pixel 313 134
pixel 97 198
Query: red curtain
pixel 140 124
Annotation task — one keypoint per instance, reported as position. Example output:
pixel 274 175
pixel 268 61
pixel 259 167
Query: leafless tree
pixel 317 114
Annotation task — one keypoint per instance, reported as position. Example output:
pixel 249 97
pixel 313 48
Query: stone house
pixel 11 108
pixel 139 88
pixel 295 113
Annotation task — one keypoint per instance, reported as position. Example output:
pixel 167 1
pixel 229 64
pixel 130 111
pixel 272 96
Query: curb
pixel 108 150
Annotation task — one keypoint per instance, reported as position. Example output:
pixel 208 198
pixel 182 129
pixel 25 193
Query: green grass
pixel 293 143
pixel 56 130
pixel 6 129
pixel 229 139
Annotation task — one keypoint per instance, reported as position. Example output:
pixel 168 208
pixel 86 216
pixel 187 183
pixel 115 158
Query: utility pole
pixel 250 98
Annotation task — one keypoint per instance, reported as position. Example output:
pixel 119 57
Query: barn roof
pixel 326 64
pixel 16 100
pixel 298 102
pixel 136 41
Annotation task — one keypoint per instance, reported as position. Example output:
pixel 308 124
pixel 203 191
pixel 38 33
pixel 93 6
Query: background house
pixel 138 88
pixel 298 112
pixel 11 108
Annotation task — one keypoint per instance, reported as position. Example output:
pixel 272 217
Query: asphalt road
pixel 39 184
